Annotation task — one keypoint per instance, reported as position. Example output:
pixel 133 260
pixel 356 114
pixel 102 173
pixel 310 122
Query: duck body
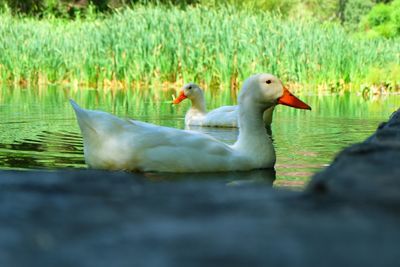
pixel 197 115
pixel 120 144
pixel 117 144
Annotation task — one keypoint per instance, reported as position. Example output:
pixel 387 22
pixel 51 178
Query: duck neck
pixel 253 137
pixel 198 106
pixel 251 121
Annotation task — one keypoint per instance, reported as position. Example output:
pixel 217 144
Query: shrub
pixel 27 6
pixel 384 19
pixel 395 18
pixel 379 15
pixel 354 11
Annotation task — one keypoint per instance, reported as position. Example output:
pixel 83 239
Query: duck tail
pixel 84 119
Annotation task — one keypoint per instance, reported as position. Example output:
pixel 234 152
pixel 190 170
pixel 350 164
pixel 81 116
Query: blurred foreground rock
pixel 349 215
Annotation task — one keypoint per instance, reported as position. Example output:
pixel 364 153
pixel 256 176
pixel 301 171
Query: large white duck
pixel 122 144
pixel 197 115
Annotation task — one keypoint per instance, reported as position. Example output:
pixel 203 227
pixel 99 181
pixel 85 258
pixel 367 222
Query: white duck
pixel 197 115
pixel 121 144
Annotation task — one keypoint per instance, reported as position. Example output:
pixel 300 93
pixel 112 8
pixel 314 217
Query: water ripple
pixel 45 150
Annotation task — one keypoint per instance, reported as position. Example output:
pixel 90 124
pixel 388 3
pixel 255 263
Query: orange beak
pixel 180 97
pixel 290 100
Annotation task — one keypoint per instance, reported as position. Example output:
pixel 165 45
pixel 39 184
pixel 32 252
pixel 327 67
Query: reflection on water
pixel 45 150
pixel 39 130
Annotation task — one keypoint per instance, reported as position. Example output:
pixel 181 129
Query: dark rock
pixel 366 172
pixel 348 216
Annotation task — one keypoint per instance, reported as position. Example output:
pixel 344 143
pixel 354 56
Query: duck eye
pixel 190 87
pixel 268 81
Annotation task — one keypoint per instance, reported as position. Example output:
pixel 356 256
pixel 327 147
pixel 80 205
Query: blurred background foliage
pixel 376 17
pixel 383 20
pixel 336 43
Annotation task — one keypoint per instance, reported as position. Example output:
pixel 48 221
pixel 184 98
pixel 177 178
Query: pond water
pixel 38 129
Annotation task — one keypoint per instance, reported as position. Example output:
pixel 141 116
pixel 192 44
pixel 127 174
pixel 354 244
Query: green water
pixel 38 129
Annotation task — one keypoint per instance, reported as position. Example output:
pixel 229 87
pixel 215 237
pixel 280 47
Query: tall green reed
pixel 154 45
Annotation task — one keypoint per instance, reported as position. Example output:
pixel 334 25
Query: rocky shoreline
pixel 349 215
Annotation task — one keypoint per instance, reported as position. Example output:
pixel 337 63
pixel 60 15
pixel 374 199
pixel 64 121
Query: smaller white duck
pixel 197 115
pixel 120 144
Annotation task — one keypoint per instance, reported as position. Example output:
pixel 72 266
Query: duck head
pixel 191 91
pixel 266 90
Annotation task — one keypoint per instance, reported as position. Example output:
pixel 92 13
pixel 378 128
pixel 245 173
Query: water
pixel 38 129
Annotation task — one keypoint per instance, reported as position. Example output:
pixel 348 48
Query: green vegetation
pixel 156 45
pixel 384 20
pixel 348 12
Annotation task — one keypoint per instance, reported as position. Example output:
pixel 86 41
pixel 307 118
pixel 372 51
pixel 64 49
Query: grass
pixel 159 46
